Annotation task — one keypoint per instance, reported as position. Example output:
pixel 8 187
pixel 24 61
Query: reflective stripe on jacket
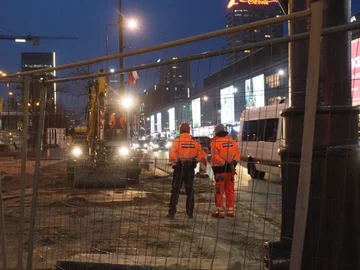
pixel 186 149
pixel 224 150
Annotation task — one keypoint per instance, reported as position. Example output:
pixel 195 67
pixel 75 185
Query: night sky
pixel 160 21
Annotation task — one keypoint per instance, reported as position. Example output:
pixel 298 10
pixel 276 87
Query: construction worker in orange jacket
pixel 184 155
pixel 225 155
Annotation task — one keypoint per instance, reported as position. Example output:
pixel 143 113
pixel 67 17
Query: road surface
pixel 262 197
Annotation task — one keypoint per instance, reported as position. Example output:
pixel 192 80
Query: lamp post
pixel 131 24
pixel 8 101
pixel 107 43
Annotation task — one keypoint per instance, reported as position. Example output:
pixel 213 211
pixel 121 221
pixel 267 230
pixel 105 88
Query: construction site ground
pixel 128 226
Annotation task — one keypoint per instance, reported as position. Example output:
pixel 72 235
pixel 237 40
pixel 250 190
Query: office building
pixel 244 12
pixel 174 81
pixel 39 60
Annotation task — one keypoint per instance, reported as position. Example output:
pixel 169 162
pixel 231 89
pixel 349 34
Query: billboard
pixel 255 92
pixel 227 104
pixel 171 112
pixel 355 71
pixel 152 124
pixel 158 121
pixel 196 112
pixel 233 3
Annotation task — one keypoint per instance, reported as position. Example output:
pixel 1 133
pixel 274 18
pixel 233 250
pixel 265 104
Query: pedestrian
pixel 225 155
pixel 184 155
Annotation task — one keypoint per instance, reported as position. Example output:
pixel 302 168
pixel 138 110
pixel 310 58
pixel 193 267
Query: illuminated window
pixel 247 51
pixel 174 67
pixel 273 80
pixel 175 88
pixel 167 88
pixel 256 30
pixel 268 36
pixel 180 76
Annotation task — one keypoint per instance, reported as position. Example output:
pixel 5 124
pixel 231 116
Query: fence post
pixel 26 89
pixel 312 85
pixel 43 100
pixel 2 230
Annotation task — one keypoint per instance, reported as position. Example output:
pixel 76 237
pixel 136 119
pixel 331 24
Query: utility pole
pixel 121 48
pixel 332 238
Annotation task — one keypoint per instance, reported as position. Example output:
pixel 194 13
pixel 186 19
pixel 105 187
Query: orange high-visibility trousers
pixel 224 184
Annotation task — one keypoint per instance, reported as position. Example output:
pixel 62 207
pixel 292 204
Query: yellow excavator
pixel 101 156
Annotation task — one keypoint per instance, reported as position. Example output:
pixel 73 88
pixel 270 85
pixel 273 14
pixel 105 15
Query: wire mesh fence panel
pixel 107 176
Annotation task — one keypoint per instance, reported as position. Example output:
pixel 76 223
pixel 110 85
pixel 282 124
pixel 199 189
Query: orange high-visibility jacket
pixel 186 149
pixel 112 122
pixel 224 150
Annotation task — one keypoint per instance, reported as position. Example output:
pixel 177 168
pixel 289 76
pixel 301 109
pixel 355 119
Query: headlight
pixel 123 151
pixel 156 146
pixel 76 151
pixel 168 144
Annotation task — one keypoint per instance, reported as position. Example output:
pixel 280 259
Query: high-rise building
pixel 246 11
pixel 39 60
pixel 174 82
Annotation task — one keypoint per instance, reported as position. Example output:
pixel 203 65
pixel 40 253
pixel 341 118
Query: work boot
pixel 218 214
pixel 230 212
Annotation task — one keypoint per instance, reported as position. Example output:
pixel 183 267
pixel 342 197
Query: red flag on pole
pixel 133 77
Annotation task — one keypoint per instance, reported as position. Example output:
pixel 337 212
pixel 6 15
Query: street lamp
pixel 205 98
pixel 132 24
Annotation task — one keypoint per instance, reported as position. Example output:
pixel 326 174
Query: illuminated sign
pixel 355 71
pixel 227 104
pixel 251 2
pixel 152 124
pixel 196 112
pixel 255 92
pixel 158 122
pixel 172 119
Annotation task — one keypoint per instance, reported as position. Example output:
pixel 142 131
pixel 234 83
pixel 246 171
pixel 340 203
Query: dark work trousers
pixel 183 173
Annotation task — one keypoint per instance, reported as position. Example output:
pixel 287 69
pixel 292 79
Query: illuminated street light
pixel 206 98
pixel 11 93
pixel 132 24
pixel 281 72
pixel 3 74
pixel 37 103
pixel 112 70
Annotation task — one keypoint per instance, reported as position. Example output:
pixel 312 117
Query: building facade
pixel 174 81
pixel 244 12
pixel 39 60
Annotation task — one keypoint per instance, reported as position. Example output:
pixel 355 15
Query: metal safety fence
pixel 57 215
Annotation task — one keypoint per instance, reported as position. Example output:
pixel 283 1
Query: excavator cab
pixel 109 161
